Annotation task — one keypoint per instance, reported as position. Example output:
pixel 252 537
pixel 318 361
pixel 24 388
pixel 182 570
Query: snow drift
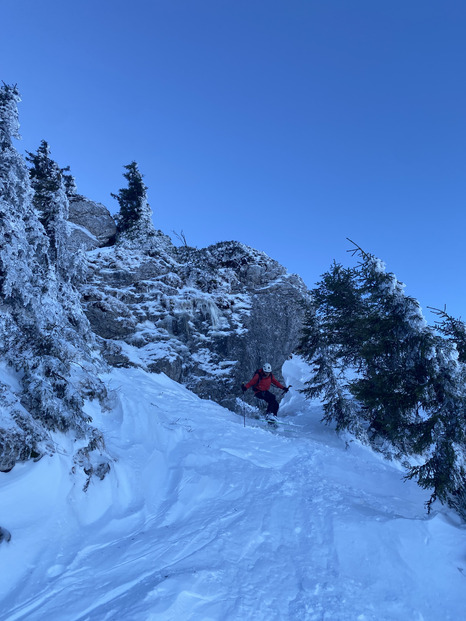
pixel 203 518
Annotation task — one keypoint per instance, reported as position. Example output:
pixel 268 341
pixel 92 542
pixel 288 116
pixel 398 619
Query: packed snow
pixel 208 516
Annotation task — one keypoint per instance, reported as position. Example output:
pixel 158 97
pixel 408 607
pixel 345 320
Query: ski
pixel 273 425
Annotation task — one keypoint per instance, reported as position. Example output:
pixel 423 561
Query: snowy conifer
pixel 454 330
pixel 378 366
pixel 44 333
pixel 442 433
pixel 69 183
pixel 331 342
pixel 51 202
pixel 22 233
pixel 395 354
pixel 135 216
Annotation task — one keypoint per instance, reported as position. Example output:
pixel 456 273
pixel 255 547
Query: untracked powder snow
pixel 205 518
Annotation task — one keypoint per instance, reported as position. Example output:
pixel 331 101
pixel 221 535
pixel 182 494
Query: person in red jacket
pixel 261 383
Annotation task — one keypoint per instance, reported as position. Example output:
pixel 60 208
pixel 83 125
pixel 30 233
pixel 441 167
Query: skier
pixel 261 382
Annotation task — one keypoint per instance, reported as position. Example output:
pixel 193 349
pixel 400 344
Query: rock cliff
pixel 91 224
pixel 207 318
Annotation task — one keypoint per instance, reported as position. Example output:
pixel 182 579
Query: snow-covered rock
pixel 80 238
pixel 207 318
pixel 94 225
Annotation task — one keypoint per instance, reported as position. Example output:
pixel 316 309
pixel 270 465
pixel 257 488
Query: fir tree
pixel 135 216
pixel 444 469
pixel 454 330
pixel 331 342
pixel 69 181
pixel 51 202
pixel 44 333
pixel 23 239
pixel 395 356
pixel 384 373
pixel 9 123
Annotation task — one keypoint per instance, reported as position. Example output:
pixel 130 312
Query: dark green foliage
pixel 132 200
pixel 340 308
pixel 454 329
pixel 386 376
pixel 45 175
pixel 49 198
pixel 330 343
pixel 69 183
pixel 444 474
pixel 365 327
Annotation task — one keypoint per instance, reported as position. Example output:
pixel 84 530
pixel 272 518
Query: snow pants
pixel 272 403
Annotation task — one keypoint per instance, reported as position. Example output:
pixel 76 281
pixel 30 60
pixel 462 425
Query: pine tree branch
pixel 357 249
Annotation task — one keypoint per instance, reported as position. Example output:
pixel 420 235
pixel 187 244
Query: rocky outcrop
pixel 207 318
pixel 91 226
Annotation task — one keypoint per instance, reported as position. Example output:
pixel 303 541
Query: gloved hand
pixel 286 389
pixel 243 388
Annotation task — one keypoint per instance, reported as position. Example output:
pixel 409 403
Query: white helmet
pixel 267 368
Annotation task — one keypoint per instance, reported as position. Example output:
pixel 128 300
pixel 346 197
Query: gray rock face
pixel 93 224
pixel 79 237
pixel 207 318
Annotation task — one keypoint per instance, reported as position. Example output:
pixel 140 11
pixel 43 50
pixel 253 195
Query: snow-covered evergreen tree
pixel 22 234
pixel 51 203
pixel 382 370
pixel 44 333
pixel 396 353
pixel 442 434
pixel 70 183
pixel 135 216
pixel 331 343
pixel 454 329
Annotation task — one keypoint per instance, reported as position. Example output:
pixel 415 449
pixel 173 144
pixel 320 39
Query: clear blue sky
pixel 288 125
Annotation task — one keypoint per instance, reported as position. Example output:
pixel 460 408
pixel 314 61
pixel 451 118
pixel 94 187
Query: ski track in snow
pixel 203 519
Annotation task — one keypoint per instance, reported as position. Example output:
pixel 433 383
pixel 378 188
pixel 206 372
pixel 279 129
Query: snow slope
pixel 204 519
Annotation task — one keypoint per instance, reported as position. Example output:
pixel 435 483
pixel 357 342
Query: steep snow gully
pixel 201 518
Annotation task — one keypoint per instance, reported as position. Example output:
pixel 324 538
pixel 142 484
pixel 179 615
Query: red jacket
pixel 262 383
